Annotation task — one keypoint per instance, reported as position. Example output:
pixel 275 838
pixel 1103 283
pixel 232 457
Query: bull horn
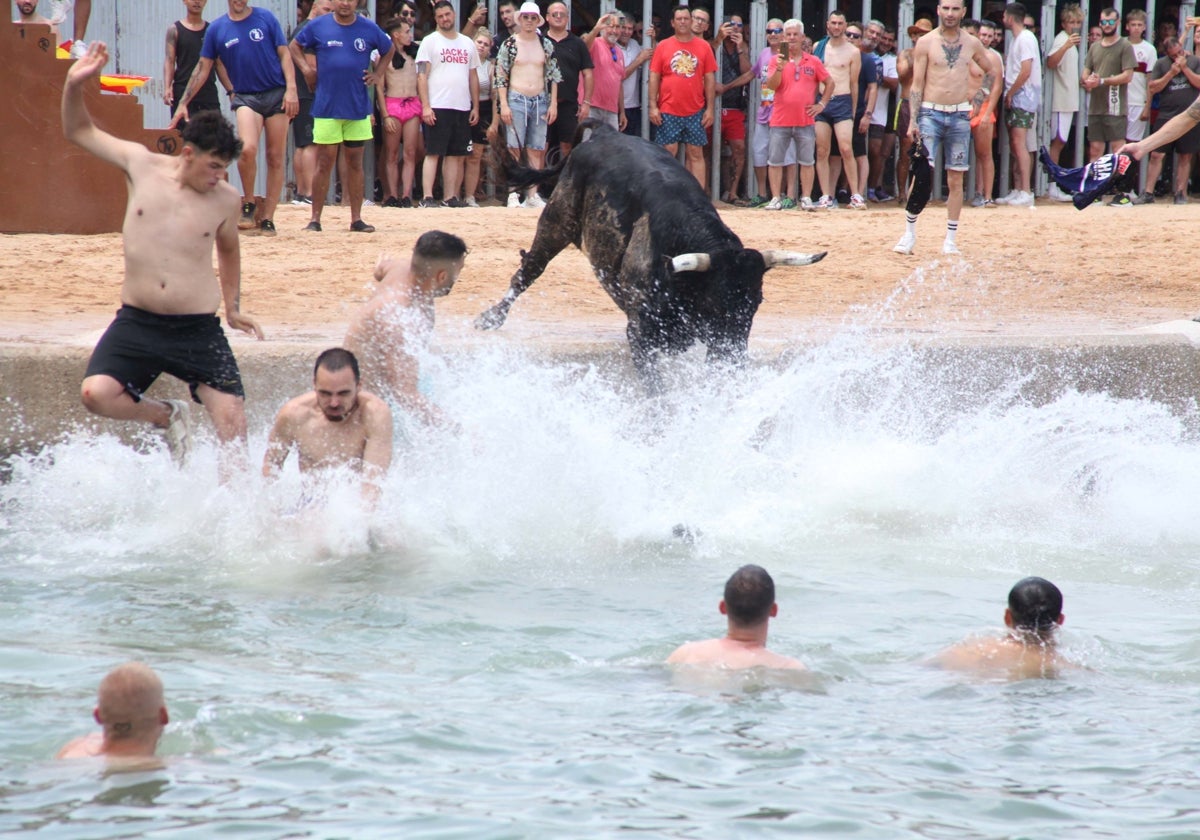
pixel 774 258
pixel 691 262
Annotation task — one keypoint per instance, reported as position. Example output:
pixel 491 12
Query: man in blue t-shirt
pixel 250 43
pixel 341 43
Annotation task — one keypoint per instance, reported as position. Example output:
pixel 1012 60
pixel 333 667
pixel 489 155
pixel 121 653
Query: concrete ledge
pixel 41 383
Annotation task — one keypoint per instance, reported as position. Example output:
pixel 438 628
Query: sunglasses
pixel 1108 22
pixel 854 36
pixel 774 31
pixel 734 24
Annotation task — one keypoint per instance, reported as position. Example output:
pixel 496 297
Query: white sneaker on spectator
pixel 1021 199
pixel 949 247
pixel 775 203
pixel 826 202
pixel 906 244
pixel 857 203
pixel 514 200
pixel 1056 194
pixel 470 201
pixel 807 204
pixel 534 201
pixel 78 49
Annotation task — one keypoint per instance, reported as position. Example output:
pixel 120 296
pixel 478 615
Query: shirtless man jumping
pixel 178 208
pixel 391 330
pixel 941 110
pixel 748 605
pixel 843 60
pixel 336 424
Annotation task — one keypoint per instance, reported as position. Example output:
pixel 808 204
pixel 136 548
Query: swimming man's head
pixel 1035 606
pixel 749 596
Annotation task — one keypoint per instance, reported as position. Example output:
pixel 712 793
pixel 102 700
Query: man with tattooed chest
pixel 942 109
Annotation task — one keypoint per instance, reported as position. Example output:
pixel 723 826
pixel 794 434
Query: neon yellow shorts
pixel 329 132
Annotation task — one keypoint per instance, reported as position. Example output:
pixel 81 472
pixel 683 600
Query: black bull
pixel 655 241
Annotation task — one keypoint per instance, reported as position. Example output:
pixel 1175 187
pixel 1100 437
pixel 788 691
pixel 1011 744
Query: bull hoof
pixel 490 320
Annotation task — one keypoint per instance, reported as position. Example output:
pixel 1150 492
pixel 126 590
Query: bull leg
pixel 556 230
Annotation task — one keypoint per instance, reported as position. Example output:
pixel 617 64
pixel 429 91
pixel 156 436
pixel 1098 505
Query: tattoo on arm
pixel 914 101
pixel 1193 110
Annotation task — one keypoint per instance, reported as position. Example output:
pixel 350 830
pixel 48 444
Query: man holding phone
pixel 733 88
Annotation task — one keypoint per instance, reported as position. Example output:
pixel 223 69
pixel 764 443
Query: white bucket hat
pixel 531 8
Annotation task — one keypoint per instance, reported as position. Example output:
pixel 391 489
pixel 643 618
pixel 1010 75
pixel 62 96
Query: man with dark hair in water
pixel 1033 617
pixel 336 424
pixel 132 712
pixel 391 330
pixel 178 207
pixel 748 606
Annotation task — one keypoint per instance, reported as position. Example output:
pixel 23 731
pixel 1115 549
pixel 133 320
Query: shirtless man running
pixel 391 330
pixel 1029 650
pixel 132 713
pixel 942 111
pixel 748 606
pixel 983 124
pixel 178 208
pixel 843 60
pixel 336 424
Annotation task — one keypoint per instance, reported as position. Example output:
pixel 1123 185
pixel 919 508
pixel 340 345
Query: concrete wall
pixel 40 400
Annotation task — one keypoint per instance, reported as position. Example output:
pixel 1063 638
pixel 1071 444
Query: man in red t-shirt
pixel 794 75
pixel 682 91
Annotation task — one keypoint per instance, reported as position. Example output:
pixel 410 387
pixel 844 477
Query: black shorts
pixel 140 345
pixel 302 125
pixel 265 103
pixel 562 130
pixel 479 130
pixel 450 135
pixel 857 141
pixel 1188 144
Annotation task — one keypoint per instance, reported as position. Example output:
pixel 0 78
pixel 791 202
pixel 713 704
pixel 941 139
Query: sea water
pixel 482 656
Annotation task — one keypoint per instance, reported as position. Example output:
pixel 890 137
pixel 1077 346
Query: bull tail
pixel 517 171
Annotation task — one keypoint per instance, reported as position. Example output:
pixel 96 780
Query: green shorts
pixel 329 132
pixel 1019 118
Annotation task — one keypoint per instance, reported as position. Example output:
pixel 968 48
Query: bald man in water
pixel 131 710
pixel 748 606
pixel 1029 649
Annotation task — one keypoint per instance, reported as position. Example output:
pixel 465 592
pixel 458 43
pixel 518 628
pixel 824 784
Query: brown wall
pixel 50 184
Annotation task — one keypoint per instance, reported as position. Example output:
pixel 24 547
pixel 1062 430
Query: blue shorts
pixel 949 129
pixel 688 130
pixel 528 127
pixel 836 110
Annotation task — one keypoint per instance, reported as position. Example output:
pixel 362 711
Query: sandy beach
pixel 1047 270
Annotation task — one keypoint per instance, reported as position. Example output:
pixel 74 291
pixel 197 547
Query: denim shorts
pixel 951 130
pixel 801 137
pixel 528 127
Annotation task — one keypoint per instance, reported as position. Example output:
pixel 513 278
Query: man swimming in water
pixel 1029 649
pixel 131 710
pixel 178 207
pixel 336 424
pixel 391 329
pixel 749 605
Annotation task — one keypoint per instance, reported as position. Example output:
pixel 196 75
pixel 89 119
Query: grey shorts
pixel 782 139
pixel 266 103
pixel 1103 128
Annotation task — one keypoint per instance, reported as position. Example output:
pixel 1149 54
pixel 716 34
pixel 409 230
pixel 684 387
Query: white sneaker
pixel 1057 194
pixel 78 49
pixel 534 201
pixel 906 244
pixel 1021 199
pixel 179 431
pixel 807 205
pixel 775 203
pixel 470 201
pixel 857 203
pixel 1005 199
pixel 514 200
pixel 949 247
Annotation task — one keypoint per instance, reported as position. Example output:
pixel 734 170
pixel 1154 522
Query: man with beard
pixel 337 424
pixel 391 330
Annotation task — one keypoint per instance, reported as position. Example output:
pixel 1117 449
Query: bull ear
pixel 691 262
pixel 774 258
